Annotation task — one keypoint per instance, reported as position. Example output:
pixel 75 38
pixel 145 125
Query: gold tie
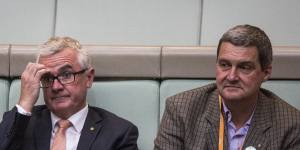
pixel 59 140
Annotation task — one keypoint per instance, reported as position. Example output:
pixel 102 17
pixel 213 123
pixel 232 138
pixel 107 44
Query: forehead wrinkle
pixel 65 66
pixel 59 61
pixel 58 69
pixel 239 56
pixel 53 61
pixel 239 61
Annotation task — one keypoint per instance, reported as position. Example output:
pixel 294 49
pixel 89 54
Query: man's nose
pixel 233 74
pixel 56 85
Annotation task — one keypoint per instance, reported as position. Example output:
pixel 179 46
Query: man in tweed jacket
pixel 254 118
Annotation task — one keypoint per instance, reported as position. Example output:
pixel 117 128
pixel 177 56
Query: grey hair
pixel 57 44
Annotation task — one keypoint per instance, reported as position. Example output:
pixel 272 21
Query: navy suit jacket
pixel 102 130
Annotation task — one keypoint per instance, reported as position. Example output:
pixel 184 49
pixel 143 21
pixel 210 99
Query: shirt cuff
pixel 22 111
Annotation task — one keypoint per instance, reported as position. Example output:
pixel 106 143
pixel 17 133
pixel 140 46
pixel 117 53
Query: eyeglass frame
pixel 59 80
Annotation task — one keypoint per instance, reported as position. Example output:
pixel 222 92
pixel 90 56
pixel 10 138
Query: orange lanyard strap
pixel 221 126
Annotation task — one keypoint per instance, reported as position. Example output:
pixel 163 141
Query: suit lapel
pixel 260 124
pixel 42 130
pixel 90 130
pixel 212 115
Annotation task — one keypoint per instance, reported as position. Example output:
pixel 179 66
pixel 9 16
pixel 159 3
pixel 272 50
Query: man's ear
pixel 268 72
pixel 90 77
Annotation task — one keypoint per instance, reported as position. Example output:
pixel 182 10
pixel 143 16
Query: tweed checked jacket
pixel 191 121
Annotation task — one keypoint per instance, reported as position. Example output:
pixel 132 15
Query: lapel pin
pixel 259 145
pixel 92 128
pixel 250 148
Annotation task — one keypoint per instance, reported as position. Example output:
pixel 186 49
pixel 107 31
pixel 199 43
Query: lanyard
pixel 221 126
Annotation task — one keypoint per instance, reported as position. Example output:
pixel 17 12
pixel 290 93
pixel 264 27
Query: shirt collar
pixel 76 119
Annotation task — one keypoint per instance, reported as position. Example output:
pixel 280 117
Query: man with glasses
pixel 64 72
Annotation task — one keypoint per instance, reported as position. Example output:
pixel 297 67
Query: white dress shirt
pixel 72 133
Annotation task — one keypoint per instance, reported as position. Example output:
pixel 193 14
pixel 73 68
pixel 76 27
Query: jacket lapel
pixel 212 115
pixel 90 130
pixel 260 124
pixel 42 130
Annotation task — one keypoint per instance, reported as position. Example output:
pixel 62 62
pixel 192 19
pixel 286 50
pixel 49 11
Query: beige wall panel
pixel 147 22
pixel 279 18
pixel 29 21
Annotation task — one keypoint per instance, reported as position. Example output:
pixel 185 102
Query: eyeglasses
pixel 63 78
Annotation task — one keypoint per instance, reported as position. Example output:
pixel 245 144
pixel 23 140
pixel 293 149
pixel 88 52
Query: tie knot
pixel 64 124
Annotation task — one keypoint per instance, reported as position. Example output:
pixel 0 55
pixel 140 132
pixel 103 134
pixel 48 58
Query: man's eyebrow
pixel 246 62
pixel 65 67
pixel 222 60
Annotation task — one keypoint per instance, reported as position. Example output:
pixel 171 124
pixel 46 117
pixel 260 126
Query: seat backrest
pixel 126 85
pixel 135 100
pixel 4 89
pixel 4 78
